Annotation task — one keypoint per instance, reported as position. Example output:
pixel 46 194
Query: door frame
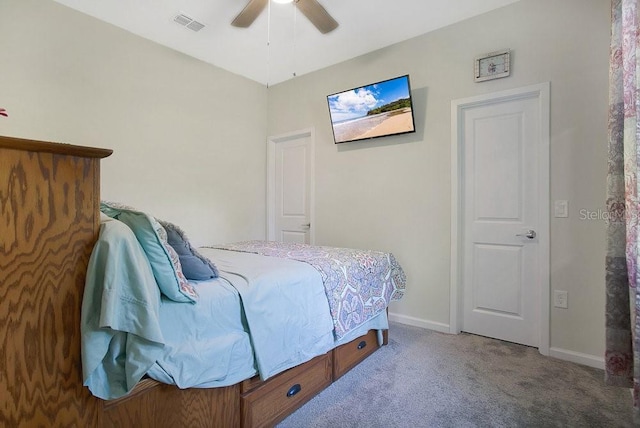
pixel 542 93
pixel 271 179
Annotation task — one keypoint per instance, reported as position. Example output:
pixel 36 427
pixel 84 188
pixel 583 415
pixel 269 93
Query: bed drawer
pixel 273 400
pixel 347 356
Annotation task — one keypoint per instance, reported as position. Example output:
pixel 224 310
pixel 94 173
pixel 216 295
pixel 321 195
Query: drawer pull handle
pixel 362 344
pixel 294 390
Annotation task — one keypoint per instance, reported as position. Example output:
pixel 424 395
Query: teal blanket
pixel 121 335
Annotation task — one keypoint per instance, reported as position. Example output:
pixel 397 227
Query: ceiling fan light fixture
pixel 312 9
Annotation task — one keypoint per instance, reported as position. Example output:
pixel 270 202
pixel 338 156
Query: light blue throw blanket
pixel 129 330
pixel 121 335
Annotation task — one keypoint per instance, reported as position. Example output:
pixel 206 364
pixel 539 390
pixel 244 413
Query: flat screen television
pixel 372 111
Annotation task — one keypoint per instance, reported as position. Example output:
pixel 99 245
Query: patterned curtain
pixel 622 357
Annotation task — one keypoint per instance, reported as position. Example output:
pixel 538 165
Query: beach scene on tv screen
pixel 372 111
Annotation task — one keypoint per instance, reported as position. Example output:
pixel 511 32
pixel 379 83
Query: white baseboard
pixel 577 357
pixel 418 322
pixel 559 353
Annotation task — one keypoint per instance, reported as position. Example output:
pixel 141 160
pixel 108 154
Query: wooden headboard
pixel 49 222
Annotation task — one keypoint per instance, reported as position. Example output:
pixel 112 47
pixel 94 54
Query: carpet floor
pixel 429 379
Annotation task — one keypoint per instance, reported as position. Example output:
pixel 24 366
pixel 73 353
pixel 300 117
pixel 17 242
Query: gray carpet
pixel 429 379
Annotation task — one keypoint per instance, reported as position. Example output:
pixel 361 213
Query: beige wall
pixel 188 138
pixel 394 194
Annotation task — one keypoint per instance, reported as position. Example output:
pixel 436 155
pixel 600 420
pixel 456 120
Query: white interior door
pixel 291 187
pixel 504 230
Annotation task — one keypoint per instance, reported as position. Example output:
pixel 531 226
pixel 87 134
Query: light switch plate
pixel 561 209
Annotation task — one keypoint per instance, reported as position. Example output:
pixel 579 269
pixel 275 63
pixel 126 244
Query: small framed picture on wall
pixel 492 65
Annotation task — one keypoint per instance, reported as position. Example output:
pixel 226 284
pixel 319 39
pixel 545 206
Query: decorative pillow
pixel 194 265
pixel 164 260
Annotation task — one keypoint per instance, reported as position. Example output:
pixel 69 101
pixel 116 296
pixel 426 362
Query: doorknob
pixel 531 234
pixel 306 226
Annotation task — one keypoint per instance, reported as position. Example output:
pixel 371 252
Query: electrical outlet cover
pixel 560 299
pixel 561 209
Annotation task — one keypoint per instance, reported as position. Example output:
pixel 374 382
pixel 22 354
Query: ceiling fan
pixel 309 8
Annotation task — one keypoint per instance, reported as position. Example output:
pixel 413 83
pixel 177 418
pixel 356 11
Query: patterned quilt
pixel 359 284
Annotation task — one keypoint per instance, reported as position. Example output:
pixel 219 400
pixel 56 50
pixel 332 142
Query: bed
pixel 244 348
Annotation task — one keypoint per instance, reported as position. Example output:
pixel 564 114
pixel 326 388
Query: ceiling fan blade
pixel 249 13
pixel 318 15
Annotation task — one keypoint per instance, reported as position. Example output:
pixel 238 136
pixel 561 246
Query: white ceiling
pixel 295 44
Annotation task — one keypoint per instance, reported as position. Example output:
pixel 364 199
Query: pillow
pixel 164 260
pixel 194 265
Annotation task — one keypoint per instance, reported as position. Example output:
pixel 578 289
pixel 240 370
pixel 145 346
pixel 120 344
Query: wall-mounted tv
pixel 371 111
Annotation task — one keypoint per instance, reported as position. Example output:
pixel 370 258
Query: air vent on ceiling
pixel 188 22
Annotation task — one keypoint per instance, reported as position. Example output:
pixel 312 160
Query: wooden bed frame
pixel 49 222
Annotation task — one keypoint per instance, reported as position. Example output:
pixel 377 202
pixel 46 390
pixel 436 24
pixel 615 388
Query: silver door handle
pixel 531 234
pixel 306 226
